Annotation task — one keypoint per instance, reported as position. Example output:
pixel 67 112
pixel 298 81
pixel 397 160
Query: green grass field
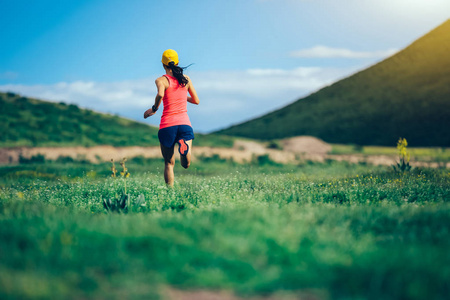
pixel 332 231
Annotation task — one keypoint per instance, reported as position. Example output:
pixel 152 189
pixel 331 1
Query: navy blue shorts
pixel 170 135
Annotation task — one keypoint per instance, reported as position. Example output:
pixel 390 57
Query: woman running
pixel 175 126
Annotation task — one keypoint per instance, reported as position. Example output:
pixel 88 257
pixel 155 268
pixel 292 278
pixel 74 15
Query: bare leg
pixel 186 160
pixel 169 163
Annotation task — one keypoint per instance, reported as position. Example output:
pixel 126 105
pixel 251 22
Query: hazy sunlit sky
pixel 250 56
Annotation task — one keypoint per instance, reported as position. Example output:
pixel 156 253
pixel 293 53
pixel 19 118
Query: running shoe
pixel 184 147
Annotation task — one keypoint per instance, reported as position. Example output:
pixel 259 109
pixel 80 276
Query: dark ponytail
pixel 178 73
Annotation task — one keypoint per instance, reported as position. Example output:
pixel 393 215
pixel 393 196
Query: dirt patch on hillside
pixel 249 146
pixel 306 144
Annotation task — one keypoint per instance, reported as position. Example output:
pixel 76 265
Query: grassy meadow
pixel 326 231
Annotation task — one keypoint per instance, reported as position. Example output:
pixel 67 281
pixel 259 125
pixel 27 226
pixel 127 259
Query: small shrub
pixel 38 158
pixel 74 108
pixel 65 159
pixel 212 158
pixel 81 158
pixel 265 159
pixel 358 148
pixel 274 145
pixel 122 201
pixel 403 155
pixel 118 204
pixel 336 197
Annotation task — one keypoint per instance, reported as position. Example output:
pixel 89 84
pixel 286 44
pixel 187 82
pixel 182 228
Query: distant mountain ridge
pixel 406 95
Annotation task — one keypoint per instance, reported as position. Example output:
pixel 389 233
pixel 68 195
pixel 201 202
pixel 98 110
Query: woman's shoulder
pixel 163 79
pixel 188 79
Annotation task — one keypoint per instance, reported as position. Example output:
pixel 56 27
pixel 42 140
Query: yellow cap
pixel 168 56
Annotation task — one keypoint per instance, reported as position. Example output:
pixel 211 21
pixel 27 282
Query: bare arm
pixel 160 85
pixel 193 98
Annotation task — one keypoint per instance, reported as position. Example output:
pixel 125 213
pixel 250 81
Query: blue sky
pixel 250 56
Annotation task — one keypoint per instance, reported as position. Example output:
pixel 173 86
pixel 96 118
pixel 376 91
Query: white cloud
pixel 90 94
pixel 227 97
pixel 329 52
pixel 266 83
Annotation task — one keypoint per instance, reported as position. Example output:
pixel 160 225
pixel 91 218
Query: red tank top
pixel 175 105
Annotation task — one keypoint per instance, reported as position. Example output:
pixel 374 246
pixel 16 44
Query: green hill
pixel 30 122
pixel 406 95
